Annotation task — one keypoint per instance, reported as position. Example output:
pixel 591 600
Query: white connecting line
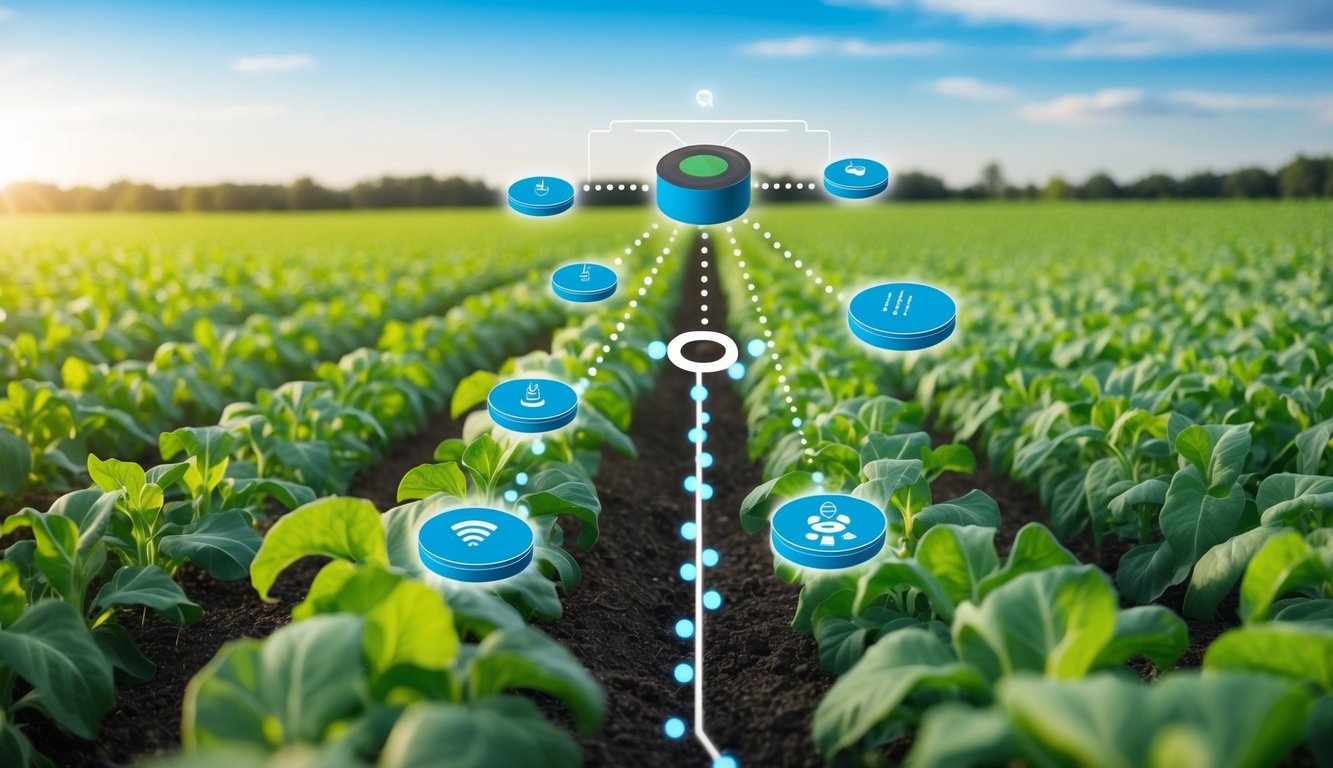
pixel 801 125
pixel 699 730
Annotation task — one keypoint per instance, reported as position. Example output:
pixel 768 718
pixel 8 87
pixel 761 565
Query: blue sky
pixel 198 92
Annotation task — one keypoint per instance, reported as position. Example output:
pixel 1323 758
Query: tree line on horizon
pixel 1303 177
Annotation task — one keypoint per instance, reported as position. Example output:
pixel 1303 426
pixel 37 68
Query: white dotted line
pixel 768 335
pixel 787 185
pixel 642 292
pixel 615 187
pixel 799 264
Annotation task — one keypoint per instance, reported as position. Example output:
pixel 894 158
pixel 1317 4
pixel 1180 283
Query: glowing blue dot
pixel 699 393
pixel 684 673
pixel 688 531
pixel 818 477
pixel 657 350
pixel 726 761
pixel 696 435
pixel 685 628
pixel 709 557
pixel 756 347
pixel 705 459
pixel 691 483
pixel 521 478
pixel 706 492
pixel 736 371
pixel 674 727
pixel 705 417
pixel 511 496
pixel 796 421
pixel 712 600
pixel 538 447
pixel 687 572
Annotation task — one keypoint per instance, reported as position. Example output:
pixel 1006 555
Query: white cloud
pixel 971 89
pixel 273 63
pixel 808 45
pixel 1148 28
pixel 1104 106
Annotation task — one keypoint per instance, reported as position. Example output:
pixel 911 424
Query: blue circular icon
pixel 532 405
pixel 856 178
pixel 828 531
pixel 902 316
pixel 703 184
pixel 475 544
pixel 584 282
pixel 541 196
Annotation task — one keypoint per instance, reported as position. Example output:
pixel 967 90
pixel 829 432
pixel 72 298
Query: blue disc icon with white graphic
pixel 475 544
pixel 532 406
pixel 541 196
pixel 584 282
pixel 828 531
pixel 856 178
pixel 903 317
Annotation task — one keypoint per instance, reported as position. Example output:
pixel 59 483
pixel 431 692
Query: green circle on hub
pixel 703 165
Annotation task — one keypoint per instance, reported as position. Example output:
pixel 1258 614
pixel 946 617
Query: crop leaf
pixel 336 527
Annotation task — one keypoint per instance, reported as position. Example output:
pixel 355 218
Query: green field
pixel 201 400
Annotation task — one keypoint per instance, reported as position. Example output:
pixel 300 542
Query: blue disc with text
pixel 856 178
pixel 828 531
pixel 584 282
pixel 475 544
pixel 541 196
pixel 532 405
pixel 902 316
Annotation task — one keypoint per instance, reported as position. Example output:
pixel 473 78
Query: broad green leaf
pixel 1286 499
pixel 903 446
pixel 1195 521
pixel 529 660
pixel 56 555
pixel 472 391
pixel 51 649
pixel 1152 492
pixel 302 684
pixel 1311 445
pixel 500 731
pixel 337 527
pixel 758 504
pixel 1146 571
pixel 91 509
pixel 1301 652
pixel 895 574
pixel 13 598
pixel 242 491
pixel 1246 720
pixel 975 508
pixel 1286 561
pixel 222 543
pixel 573 497
pixel 1055 622
pixel 150 587
pixel 1319 731
pixel 884 477
pixel 959 558
pixel 958 736
pixel 114 475
pixel 15 463
pixel 1035 549
pixel 1230 450
pixel 951 457
pixel 1219 570
pixel 905 664
pixel 1149 630
pixel 128 661
pixel 450 450
pixel 429 479
pixel 310 463
pixel 1195 446
pixel 484 458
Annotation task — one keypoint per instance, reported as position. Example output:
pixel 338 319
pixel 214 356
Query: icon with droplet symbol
pixel 532 405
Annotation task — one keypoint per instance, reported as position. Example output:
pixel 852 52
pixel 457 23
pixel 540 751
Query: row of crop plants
pixel 116 546
pixel 982 657
pixel 409 668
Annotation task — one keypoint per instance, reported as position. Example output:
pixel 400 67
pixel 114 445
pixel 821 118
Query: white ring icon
pixel 730 354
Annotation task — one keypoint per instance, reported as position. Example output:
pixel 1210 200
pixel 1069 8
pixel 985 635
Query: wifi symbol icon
pixel 473 532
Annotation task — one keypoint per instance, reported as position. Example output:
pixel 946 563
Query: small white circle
pixel 730 354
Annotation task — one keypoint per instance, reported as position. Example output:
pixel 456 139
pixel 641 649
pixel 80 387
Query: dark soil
pixel 761 680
